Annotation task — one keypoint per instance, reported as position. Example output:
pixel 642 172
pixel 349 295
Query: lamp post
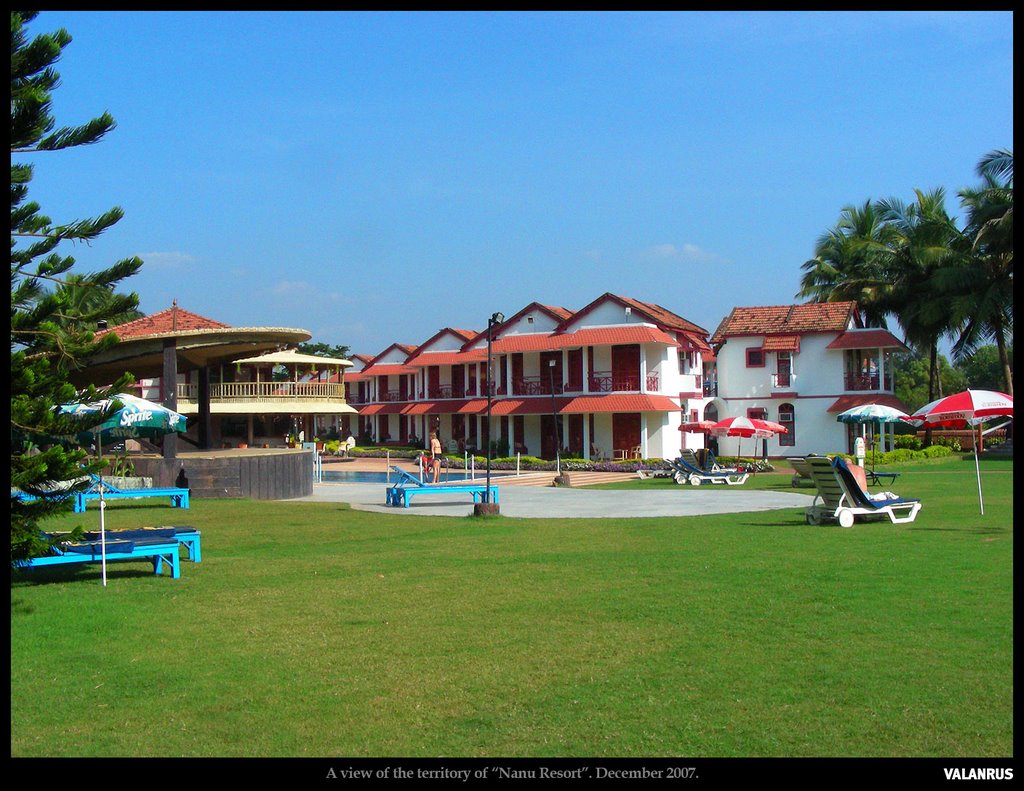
pixel 487 507
pixel 554 420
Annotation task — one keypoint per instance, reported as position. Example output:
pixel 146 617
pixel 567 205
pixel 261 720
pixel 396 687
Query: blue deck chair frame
pixel 843 500
pixel 408 486
pixel 161 548
pixel 179 497
pixel 187 537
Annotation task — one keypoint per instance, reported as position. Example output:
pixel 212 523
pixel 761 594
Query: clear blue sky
pixel 373 177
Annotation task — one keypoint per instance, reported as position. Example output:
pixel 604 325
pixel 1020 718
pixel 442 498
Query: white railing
pixel 266 391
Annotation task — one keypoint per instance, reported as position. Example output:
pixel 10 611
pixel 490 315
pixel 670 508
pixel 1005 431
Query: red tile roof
pixel 786 319
pixel 627 333
pixel 845 402
pixel 447 358
pixel 781 343
pixel 174 319
pixel 380 409
pixel 626 402
pixel 387 369
pixel 867 339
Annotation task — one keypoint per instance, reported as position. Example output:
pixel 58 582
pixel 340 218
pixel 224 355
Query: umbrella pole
pixel 103 508
pixel 977 469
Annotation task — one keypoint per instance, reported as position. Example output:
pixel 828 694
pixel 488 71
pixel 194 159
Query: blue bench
pixel 187 537
pixel 179 497
pixel 407 487
pixel 158 546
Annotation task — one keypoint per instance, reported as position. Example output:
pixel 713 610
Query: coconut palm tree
pixel 981 284
pixel 848 264
pixel 925 241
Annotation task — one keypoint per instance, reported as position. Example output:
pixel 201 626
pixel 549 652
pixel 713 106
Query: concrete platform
pixel 536 502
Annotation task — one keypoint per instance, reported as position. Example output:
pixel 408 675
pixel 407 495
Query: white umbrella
pixel 873 414
pixel 970 409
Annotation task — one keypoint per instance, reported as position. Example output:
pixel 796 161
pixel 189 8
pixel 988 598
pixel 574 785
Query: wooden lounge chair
pixel 844 500
pixel 179 497
pixel 801 470
pixel 158 546
pixel 408 486
pixel 685 472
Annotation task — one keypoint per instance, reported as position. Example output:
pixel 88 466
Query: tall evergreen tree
pixel 51 336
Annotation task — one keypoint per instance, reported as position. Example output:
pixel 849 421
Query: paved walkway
pixel 532 502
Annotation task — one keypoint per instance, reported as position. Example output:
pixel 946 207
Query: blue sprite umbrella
pixel 136 418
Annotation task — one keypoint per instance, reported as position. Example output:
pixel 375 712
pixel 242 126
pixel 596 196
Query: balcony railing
pixel 534 385
pixel 266 391
pixel 869 381
pixel 782 381
pixel 607 382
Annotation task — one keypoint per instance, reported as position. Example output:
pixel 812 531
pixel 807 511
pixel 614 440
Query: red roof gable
pixel 463 336
pixel 664 318
pixel 787 319
pixel 867 339
pixel 557 313
pixel 405 349
pixel 174 319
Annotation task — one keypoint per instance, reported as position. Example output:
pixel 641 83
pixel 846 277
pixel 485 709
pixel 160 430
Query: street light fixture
pixel 496 318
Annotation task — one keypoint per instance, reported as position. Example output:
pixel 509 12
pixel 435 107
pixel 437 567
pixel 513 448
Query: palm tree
pixel 981 286
pixel 848 264
pixel 925 241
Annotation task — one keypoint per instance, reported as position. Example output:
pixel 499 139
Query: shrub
pixel 907 442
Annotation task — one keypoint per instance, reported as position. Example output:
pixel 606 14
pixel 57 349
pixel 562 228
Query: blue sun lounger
pixel 179 497
pixel 160 547
pixel 407 486
pixel 187 537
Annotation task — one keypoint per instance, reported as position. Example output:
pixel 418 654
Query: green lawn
pixel 315 630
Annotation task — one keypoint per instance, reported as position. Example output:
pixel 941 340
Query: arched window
pixel 787 417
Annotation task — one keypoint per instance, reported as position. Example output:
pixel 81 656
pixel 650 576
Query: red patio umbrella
pixel 968 409
pixel 740 426
pixel 700 427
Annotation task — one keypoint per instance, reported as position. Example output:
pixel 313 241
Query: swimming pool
pixel 347 476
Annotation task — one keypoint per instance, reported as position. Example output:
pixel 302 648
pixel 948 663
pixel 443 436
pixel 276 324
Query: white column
pixel 586 369
pixel 643 368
